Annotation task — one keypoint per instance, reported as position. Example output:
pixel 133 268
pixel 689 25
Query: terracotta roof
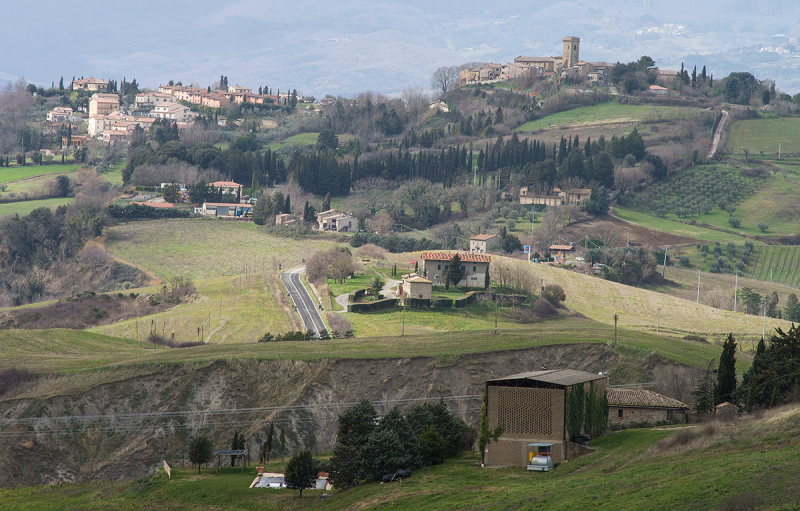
pixel 224 183
pixel 561 247
pixel 483 237
pixel 555 376
pixel 657 87
pixel 444 256
pixel 641 398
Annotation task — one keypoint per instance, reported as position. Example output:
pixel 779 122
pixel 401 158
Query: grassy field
pixel 71 350
pixel 661 224
pixel 202 249
pixel 637 308
pixel 474 318
pixel 609 113
pixel 764 136
pixel 15 173
pixel 774 203
pixel 301 139
pixel 747 464
pixel 25 207
pixel 227 310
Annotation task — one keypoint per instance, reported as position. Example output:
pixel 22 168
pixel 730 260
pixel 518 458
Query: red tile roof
pixel 444 256
pixel 641 398
pixel 561 247
pixel 483 237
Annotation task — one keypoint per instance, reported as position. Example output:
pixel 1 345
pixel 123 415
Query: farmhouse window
pixel 619 413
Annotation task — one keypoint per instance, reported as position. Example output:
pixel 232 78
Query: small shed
pixel 416 286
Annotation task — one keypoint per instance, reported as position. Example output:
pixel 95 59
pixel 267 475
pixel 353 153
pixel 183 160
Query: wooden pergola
pixel 231 452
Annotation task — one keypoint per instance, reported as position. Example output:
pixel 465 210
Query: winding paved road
pixel 302 300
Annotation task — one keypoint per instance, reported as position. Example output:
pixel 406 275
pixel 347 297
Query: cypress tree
pixel 726 374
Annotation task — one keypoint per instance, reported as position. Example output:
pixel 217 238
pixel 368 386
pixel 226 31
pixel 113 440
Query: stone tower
pixel 571 48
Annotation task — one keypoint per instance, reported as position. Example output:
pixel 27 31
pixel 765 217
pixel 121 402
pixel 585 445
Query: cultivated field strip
pixel 778 264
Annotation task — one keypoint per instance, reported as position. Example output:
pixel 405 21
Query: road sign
pixel 527 249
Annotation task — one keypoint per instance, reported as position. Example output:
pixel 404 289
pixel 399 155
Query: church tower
pixel 570 54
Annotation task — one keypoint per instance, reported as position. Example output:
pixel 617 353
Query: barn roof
pixel 555 376
pixel 641 398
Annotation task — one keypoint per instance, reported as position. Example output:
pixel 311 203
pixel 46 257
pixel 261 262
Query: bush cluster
pixel 394 244
pixel 368 447
pixel 140 211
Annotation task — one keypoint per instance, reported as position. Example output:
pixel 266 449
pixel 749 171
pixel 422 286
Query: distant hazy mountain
pixel 348 46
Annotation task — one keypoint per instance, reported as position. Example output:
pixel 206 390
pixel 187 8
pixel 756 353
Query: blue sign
pixel 526 249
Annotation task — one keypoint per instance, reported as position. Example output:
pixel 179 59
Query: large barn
pixel 532 408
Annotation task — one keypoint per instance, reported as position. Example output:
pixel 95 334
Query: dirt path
pixel 718 135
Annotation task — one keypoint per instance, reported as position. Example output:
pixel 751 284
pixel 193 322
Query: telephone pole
pixel 698 285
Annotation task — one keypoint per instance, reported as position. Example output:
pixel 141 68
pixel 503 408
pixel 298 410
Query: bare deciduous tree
pixel 444 78
pixel 370 195
pixel 416 101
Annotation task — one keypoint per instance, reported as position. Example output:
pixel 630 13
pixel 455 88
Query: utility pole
pixel 735 290
pixel 403 331
pixel 764 327
pixel 629 237
pixel 615 329
pixel 658 319
pixel 698 285
pixel 533 219
pixel 664 273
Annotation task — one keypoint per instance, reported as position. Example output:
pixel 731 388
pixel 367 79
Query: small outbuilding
pixel 629 406
pixel 416 286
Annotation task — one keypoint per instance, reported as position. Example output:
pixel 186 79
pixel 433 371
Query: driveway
pixel 302 300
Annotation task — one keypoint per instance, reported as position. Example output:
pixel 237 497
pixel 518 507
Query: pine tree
pixel 287 206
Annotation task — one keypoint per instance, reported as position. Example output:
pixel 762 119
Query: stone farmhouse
pixel 630 406
pixel 558 197
pixel 532 408
pixel 482 243
pixel 474 267
pixel 333 220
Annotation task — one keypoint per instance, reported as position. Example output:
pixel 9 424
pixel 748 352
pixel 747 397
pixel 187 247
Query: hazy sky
pixel 348 46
